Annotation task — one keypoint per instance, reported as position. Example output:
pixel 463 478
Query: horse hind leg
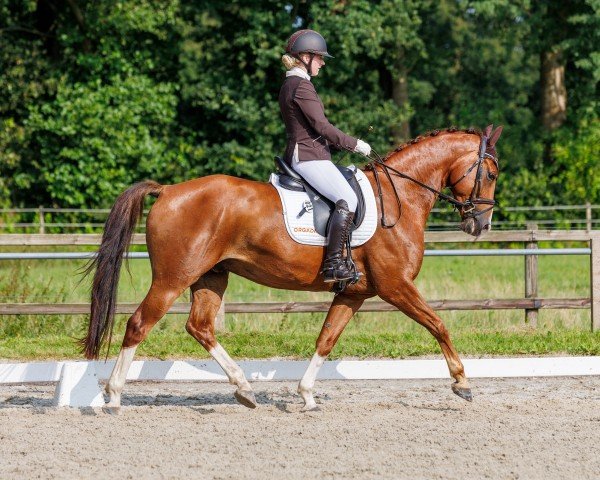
pixel 207 295
pixel 341 311
pixel 156 304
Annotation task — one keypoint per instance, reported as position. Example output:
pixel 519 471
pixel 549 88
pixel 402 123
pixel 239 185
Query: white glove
pixel 363 147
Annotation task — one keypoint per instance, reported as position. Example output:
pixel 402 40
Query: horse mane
pixel 432 133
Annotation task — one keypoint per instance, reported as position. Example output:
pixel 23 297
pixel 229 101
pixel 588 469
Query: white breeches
pixel 325 177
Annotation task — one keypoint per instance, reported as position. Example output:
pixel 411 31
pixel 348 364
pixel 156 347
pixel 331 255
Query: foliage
pixel 98 95
pixel 230 83
pixel 86 154
pixel 577 154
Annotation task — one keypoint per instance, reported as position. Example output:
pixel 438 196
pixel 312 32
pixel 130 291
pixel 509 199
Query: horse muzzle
pixel 475 226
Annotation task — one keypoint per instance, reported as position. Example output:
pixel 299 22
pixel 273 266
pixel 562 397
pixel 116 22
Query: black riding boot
pixel 335 267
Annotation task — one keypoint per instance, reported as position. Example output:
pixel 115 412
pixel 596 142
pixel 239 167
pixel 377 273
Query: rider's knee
pixel 352 202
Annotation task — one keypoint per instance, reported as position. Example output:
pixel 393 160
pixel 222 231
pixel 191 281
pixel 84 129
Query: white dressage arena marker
pixel 78 386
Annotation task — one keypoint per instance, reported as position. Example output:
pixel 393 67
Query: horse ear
pixel 495 136
pixel 488 130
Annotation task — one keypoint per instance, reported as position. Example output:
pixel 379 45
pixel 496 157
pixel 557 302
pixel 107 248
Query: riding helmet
pixel 307 41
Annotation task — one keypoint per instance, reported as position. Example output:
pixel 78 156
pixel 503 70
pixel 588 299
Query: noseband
pixel 467 207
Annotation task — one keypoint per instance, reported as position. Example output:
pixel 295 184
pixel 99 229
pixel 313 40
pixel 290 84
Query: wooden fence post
pixel 595 280
pixel 42 222
pixel 588 216
pixel 220 318
pixel 531 277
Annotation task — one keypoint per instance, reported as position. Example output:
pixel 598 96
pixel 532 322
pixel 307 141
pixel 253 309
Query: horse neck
pixel 430 162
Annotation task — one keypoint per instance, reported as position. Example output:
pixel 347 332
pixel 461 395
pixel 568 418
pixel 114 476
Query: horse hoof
pixel 111 410
pixel 310 408
pixel 464 393
pixel 246 398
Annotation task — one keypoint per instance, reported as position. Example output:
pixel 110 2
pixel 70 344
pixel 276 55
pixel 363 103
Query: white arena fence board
pixel 78 382
pixel 209 370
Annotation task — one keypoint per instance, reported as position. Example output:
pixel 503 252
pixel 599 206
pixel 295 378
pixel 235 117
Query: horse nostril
pixel 487 227
pixel 468 226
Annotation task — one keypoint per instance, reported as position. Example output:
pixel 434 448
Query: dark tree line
pixel 96 95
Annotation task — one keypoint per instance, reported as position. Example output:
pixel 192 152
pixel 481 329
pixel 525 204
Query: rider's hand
pixel 363 147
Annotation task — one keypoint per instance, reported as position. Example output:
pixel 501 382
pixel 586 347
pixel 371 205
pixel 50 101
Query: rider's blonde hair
pixel 290 62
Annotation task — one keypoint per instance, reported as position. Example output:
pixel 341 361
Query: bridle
pixel 474 199
pixel 467 207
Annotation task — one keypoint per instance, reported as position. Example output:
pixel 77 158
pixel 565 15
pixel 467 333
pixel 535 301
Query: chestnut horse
pixel 200 230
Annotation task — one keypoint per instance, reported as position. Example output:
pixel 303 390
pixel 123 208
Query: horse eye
pixel 492 176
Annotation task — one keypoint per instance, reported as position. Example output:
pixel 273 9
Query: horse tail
pixel 118 230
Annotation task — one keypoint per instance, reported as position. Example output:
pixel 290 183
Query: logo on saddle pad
pixel 299 214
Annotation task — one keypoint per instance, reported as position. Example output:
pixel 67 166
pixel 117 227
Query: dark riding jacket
pixel 306 125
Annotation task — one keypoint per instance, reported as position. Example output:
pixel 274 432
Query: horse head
pixel 473 181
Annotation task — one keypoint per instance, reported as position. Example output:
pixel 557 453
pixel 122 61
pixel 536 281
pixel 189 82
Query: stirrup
pixel 336 279
pixel 338 272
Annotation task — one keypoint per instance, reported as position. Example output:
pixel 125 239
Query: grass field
pixel 293 335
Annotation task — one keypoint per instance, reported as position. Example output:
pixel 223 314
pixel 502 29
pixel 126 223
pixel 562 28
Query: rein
pixel 468 207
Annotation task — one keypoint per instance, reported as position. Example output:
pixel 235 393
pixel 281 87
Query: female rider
pixel 309 135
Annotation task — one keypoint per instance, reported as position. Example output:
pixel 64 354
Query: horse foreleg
pixel 409 300
pixel 341 311
pixel 207 295
pixel 151 310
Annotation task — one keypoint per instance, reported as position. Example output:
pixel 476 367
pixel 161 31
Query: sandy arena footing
pixel 398 429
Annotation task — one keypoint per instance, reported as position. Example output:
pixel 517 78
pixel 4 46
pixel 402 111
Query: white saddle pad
pixel 302 228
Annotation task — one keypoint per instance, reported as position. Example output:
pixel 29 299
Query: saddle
pixel 320 206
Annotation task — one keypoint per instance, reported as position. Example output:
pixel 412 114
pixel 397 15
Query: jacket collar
pixel 297 72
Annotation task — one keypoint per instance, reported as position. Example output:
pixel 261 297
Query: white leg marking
pixel 308 381
pixel 231 369
pixel 115 385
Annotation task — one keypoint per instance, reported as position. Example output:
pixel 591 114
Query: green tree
pixel 97 95
pixel 570 33
pixel 230 77
pixel 377 46
pixel 577 154
pixel 94 139
pixel 95 100
pixel 24 80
